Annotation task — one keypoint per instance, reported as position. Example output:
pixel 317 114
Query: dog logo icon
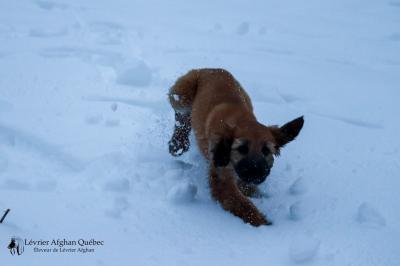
pixel 16 246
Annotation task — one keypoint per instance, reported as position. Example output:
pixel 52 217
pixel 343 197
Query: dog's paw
pixel 178 147
pixel 257 219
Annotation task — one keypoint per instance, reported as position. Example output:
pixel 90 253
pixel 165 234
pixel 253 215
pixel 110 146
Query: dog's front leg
pixel 249 190
pixel 224 189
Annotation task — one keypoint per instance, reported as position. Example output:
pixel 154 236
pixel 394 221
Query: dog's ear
pixel 220 144
pixel 221 152
pixel 288 131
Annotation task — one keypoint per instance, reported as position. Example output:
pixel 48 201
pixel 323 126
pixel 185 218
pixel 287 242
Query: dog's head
pixel 251 148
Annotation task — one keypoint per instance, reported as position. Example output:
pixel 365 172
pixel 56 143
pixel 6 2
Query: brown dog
pixel 239 148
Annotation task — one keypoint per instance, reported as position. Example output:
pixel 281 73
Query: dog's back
pixel 214 95
pixel 216 86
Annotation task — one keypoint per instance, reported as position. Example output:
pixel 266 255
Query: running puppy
pixel 240 149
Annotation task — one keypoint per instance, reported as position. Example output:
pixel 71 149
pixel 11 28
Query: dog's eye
pixel 243 149
pixel 265 150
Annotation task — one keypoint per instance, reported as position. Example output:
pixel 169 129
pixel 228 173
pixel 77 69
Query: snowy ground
pixel 84 124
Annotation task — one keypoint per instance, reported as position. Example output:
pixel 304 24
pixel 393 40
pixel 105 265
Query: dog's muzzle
pixel 253 170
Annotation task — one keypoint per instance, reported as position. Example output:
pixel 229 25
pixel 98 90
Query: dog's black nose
pixel 252 170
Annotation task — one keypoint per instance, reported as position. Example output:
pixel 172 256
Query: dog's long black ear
pixel 221 153
pixel 288 131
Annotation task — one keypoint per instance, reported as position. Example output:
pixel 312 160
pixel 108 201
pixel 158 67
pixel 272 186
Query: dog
pixel 240 150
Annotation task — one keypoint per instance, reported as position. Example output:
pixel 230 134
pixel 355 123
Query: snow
pixel 138 74
pixel 85 122
pixel 182 193
pixel 243 28
pixel 296 211
pixel 303 249
pixel 368 215
pixel 298 187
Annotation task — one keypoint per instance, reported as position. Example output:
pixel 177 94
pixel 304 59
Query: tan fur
pixel 217 107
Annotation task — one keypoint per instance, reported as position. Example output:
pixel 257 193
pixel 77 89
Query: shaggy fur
pixel 240 149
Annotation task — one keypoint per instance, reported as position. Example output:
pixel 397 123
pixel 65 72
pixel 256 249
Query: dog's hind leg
pixel 179 142
pixel 181 96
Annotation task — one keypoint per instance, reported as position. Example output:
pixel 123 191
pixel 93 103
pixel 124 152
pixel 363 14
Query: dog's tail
pixel 182 93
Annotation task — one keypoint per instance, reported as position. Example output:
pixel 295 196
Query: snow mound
pixel 120 205
pixel 3 163
pixel 368 215
pixel 298 187
pixel 296 211
pixel 136 75
pixel 112 122
pixel 93 119
pixel 118 185
pixel 182 193
pixel 303 250
pixel 114 107
pixel 243 28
